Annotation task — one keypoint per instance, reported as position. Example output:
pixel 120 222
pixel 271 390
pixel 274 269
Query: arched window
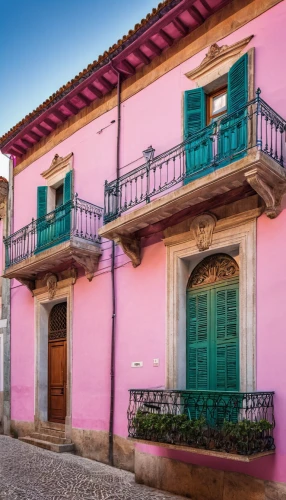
pixel 213 325
pixel 58 322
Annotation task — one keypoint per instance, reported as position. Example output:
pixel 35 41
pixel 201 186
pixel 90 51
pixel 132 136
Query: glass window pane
pixel 219 103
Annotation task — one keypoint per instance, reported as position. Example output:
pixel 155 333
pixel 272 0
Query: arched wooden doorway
pixel 57 365
pixel 213 325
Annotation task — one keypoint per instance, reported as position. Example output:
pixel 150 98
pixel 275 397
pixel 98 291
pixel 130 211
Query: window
pixel 216 104
pixel 59 196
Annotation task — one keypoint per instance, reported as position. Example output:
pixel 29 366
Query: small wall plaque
pixel 136 364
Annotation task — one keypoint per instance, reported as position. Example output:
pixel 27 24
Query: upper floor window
pixel 216 104
pixel 59 196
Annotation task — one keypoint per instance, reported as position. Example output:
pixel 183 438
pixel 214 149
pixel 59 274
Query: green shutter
pixel 42 229
pixel 233 130
pixel 42 201
pixel 198 150
pixel 226 312
pixel 194 111
pixel 213 346
pixel 238 84
pixel 68 198
pixel 197 340
pixel 68 187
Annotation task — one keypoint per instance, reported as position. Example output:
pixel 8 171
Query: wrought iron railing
pixel 255 125
pixel 76 218
pixel 233 422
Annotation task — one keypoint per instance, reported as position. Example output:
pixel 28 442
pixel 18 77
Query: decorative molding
pixel 217 56
pixel 217 267
pixel 271 194
pixel 89 264
pixel 202 228
pixel 221 225
pixel 60 285
pixel 131 247
pixel 182 258
pixel 52 281
pixel 59 163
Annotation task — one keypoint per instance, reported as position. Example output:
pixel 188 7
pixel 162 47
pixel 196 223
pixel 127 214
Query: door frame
pixel 51 344
pixel 235 234
pixel 43 305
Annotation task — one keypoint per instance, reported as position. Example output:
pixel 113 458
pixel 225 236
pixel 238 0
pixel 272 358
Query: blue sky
pixel 45 43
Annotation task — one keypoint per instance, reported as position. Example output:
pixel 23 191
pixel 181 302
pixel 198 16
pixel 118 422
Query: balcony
pixel 241 154
pixel 64 238
pixel 225 424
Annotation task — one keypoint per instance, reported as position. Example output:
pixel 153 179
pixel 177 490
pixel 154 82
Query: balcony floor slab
pixel 60 256
pixel 222 180
pixel 210 453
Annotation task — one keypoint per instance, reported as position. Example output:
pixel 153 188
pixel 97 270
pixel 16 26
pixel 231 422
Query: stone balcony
pixel 233 425
pixel 66 238
pixel 238 156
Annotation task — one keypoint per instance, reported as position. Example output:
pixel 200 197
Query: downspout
pixel 6 308
pixel 112 361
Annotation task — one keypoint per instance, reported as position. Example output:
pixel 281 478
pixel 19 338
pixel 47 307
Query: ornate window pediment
pixel 217 62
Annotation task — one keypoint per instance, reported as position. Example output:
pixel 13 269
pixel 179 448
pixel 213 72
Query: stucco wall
pixel 153 116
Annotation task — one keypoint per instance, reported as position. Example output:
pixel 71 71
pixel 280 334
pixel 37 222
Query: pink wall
pixel 141 292
pixel 22 353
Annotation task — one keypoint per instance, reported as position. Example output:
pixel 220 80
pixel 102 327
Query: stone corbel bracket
pixel 89 264
pixel 131 247
pixel 29 283
pixel 270 193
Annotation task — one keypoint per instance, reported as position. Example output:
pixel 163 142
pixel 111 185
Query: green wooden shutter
pixel 68 200
pixel 68 187
pixel 42 201
pixel 227 334
pixel 198 150
pixel 233 130
pixel 42 226
pixel 197 340
pixel 238 84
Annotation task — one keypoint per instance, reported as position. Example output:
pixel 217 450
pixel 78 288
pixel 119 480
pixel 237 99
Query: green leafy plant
pixel 247 437
pixel 242 437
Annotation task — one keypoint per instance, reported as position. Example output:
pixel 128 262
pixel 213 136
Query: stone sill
pixel 209 453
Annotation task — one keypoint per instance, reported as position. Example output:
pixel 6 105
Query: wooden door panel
pixel 57 381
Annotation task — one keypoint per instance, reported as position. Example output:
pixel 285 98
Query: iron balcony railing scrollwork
pixel 76 218
pixel 233 422
pixel 255 125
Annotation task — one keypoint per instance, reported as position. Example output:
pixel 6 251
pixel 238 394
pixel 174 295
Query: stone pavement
pixel 30 473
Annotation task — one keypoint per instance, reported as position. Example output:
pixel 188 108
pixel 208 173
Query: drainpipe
pixel 112 361
pixel 6 308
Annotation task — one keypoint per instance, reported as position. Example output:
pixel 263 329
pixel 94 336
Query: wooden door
pixel 57 365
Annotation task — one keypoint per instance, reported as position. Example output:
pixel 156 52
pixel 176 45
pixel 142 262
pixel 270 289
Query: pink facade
pixel 151 116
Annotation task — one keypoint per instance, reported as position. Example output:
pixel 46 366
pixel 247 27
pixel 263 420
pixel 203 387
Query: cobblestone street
pixel 30 473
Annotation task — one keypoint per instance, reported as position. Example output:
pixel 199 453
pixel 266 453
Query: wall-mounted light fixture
pixel 99 132
pixel 149 153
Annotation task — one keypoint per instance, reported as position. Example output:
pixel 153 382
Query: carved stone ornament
pixel 218 267
pixel 131 247
pixel 58 163
pixel 271 195
pixel 202 228
pixel 218 55
pixel 52 283
pixel 89 263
